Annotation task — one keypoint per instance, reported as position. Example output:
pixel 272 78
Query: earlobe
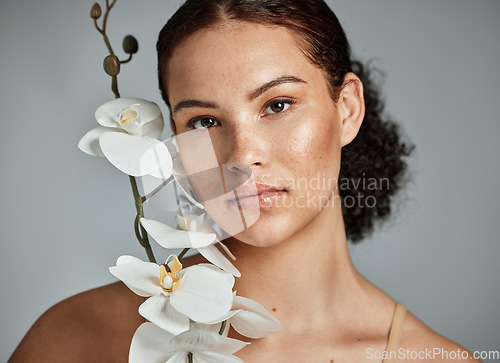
pixel 352 105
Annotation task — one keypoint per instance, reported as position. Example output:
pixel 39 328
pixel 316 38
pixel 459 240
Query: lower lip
pixel 265 200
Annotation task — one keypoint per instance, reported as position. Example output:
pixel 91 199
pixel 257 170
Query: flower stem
pixel 140 232
pixel 126 60
pixel 114 79
pixel 158 188
pixel 222 327
pixel 190 357
pixel 181 255
pixel 103 29
pixel 114 86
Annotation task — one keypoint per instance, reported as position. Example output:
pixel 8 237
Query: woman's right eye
pixel 203 123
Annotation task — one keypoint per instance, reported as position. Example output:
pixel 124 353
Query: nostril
pixel 235 167
pixel 234 175
pixel 241 168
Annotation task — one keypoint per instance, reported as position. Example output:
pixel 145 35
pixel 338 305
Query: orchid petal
pixel 196 340
pixel 151 120
pixel 159 311
pixel 212 357
pixel 185 207
pixel 134 155
pixel 199 326
pixel 227 316
pixel 203 294
pixel 228 252
pixel 212 254
pixel 197 221
pixel 212 327
pixel 143 278
pixel 205 227
pixel 107 114
pixel 127 259
pixel 229 277
pixel 89 143
pixel 164 171
pixel 230 346
pixel 253 325
pixel 181 222
pixel 253 321
pixel 169 237
pixel 154 127
pixel 151 117
pixel 178 357
pixel 150 344
pixel 183 183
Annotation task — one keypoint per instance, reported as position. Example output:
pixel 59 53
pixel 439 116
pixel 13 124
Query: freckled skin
pixel 305 275
pixel 301 142
pixel 222 65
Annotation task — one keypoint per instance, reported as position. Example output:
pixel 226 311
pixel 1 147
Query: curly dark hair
pixel 376 154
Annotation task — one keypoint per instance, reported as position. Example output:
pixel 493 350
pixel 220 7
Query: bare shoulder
pixel 420 343
pixel 96 325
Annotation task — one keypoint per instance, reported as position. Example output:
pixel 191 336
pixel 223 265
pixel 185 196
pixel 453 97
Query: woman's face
pixel 266 107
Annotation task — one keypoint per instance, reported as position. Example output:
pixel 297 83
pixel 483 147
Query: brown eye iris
pixel 204 123
pixel 207 122
pixel 277 106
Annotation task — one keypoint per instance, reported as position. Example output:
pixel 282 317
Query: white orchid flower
pixel 153 345
pixel 250 319
pixel 201 292
pixel 127 137
pixel 192 232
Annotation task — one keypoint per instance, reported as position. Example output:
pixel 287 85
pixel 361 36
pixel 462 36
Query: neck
pixel 309 272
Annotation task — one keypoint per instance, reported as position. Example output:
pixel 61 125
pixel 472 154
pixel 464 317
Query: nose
pixel 245 147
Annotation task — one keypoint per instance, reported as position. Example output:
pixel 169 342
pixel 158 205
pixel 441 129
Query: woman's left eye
pixel 278 106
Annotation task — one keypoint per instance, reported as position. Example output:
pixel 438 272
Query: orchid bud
pixel 95 12
pixel 111 65
pixel 130 45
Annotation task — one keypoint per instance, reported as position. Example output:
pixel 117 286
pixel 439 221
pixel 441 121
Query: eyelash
pixel 288 101
pixel 281 100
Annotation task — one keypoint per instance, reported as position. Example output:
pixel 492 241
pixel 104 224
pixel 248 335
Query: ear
pixel 351 104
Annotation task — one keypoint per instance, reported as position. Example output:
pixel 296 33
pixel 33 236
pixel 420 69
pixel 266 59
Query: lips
pixel 256 196
pixel 258 189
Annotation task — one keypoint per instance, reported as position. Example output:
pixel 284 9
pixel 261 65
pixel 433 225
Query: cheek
pixel 312 147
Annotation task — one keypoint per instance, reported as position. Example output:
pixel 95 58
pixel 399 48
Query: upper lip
pixel 259 188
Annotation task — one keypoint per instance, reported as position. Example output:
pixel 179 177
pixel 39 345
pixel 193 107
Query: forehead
pixel 234 54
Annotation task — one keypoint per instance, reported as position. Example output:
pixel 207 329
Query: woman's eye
pixel 203 123
pixel 278 106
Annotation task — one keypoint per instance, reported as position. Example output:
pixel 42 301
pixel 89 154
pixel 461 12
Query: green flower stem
pixel 114 86
pixel 190 357
pixel 222 327
pixel 158 188
pixel 104 23
pixel 114 81
pixel 181 255
pixel 140 232
pixel 126 60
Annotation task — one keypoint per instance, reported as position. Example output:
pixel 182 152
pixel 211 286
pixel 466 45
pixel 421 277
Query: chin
pixel 272 230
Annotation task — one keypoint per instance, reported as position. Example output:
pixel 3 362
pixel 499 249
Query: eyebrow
pixel 193 103
pixel 273 83
pixel 190 103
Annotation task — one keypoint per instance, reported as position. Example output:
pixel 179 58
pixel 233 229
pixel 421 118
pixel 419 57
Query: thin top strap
pixel 398 321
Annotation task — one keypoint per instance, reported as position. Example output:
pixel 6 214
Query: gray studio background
pixel 66 216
